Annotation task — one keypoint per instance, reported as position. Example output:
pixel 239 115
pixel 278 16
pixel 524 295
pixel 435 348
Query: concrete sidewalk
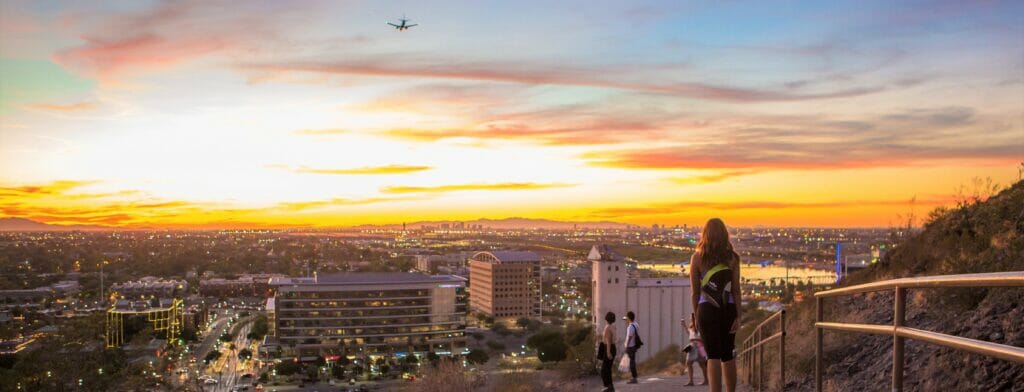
pixel 653 383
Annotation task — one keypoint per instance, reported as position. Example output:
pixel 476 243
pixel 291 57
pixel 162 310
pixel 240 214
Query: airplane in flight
pixel 402 26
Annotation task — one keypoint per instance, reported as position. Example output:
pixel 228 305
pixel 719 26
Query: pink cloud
pixel 553 75
pixel 172 33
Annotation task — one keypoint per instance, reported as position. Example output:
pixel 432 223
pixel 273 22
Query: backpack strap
pixel 707 275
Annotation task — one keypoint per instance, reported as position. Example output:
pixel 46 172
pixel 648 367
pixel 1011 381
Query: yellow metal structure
pixel 168 320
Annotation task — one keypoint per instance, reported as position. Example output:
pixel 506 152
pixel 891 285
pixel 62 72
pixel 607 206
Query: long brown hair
pixel 714 246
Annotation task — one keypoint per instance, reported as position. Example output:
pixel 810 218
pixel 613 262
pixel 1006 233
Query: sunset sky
pixel 209 114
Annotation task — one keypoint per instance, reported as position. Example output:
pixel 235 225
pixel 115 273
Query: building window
pixel 609 280
pixel 609 268
pixel 616 268
pixel 616 280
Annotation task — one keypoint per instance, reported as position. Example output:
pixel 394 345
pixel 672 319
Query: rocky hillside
pixel 978 235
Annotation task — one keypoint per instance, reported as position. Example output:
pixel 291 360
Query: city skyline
pixel 266 114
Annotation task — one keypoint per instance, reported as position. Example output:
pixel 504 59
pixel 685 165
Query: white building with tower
pixel 659 303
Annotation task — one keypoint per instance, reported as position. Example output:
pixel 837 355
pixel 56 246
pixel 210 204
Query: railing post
pixel 760 360
pixel 757 365
pixel 899 308
pixel 782 351
pixel 750 367
pixel 818 317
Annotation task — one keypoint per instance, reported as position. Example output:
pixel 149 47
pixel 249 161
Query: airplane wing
pixel 414 24
pixel 393 24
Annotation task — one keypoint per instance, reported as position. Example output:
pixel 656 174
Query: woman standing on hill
pixel 715 279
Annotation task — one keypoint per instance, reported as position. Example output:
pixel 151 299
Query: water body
pixel 755 272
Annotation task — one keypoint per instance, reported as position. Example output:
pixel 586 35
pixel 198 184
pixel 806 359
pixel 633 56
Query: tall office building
pixel 659 303
pixel 505 284
pixel 369 313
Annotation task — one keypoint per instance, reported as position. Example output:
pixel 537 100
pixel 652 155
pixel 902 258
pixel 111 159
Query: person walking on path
pixel 632 343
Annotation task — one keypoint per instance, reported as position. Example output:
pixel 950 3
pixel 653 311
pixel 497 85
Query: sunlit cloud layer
pixel 209 114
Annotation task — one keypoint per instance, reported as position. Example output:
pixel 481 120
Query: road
pixel 228 369
pixel 209 342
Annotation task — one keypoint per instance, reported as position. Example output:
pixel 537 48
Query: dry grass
pixel 447 376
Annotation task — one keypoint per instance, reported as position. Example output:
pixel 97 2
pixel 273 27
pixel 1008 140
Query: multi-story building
pixel 659 303
pixel 369 314
pixel 150 287
pixel 245 285
pixel 38 295
pixel 433 264
pixel 505 284
pixel 429 263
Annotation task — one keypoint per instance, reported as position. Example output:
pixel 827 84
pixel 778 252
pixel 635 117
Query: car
pixel 210 381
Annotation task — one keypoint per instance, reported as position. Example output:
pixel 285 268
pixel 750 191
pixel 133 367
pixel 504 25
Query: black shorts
pixel 714 324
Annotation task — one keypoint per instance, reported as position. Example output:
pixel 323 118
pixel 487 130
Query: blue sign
pixel 839 261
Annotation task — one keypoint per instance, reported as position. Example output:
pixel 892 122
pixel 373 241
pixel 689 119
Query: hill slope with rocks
pixel 978 235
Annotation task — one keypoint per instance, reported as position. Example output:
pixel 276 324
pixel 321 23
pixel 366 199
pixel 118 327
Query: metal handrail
pixel 752 353
pixel 899 332
pixel 966 280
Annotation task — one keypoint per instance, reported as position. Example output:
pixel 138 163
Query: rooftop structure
pixel 150 287
pixel 245 285
pixel 165 315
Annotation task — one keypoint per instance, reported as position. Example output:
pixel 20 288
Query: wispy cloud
pixel 53 188
pixel 322 132
pixel 171 33
pixel 603 131
pixel 896 139
pixel 545 75
pixel 356 171
pixel 65 108
pixel 58 202
pixel 711 178
pixel 505 186
pixel 335 202
pixel 703 206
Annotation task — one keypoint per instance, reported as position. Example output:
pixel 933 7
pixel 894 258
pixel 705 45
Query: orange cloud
pixel 689 206
pixel 321 132
pixel 711 178
pixel 336 202
pixel 53 188
pixel 73 107
pixel 368 170
pixel 598 133
pixel 507 186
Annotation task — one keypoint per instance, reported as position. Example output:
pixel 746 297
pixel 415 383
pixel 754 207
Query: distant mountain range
pixel 22 224
pixel 512 223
